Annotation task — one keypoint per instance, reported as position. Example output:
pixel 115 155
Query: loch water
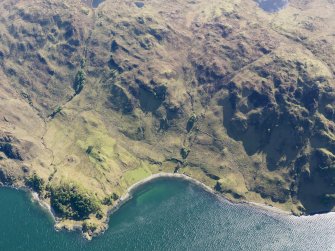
pixel 96 3
pixel 167 214
pixel 272 5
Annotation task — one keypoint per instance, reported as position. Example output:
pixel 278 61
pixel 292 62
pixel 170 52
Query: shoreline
pixel 43 204
pixel 34 197
pixel 130 191
pixel 267 209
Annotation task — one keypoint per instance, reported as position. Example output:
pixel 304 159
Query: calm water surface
pixel 167 215
pixel 96 3
pixel 272 5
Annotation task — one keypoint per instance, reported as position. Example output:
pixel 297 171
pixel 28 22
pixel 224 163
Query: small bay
pixel 272 5
pixel 167 214
pixel 96 3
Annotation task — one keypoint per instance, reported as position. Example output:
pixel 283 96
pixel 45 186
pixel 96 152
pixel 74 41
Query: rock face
pixel 238 98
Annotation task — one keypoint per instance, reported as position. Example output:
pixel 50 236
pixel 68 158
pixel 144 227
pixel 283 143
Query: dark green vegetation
pixel 226 93
pixel 184 152
pixel 36 183
pixel 10 151
pixel 89 227
pixel 110 199
pixel 55 112
pixel 71 202
pixel 79 81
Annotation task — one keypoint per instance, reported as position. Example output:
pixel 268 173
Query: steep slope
pixel 95 100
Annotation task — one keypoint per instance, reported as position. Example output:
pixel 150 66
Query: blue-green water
pixel 166 215
pixel 96 3
pixel 272 5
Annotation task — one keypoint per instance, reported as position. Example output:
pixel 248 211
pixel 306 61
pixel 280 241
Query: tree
pixel 184 152
pixel 79 81
pixel 36 183
pixel 72 202
pixel 191 122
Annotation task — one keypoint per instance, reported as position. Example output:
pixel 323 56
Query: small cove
pixel 272 5
pixel 96 3
pixel 167 214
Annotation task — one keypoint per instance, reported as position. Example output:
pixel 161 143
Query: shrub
pixel 191 122
pixel 108 200
pixel 115 196
pixel 89 149
pixel 36 183
pixel 55 112
pixel 218 187
pixel 79 81
pixel 89 227
pixel 99 215
pixel 10 151
pixel 70 201
pixel 184 152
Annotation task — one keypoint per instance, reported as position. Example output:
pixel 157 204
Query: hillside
pixel 94 100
